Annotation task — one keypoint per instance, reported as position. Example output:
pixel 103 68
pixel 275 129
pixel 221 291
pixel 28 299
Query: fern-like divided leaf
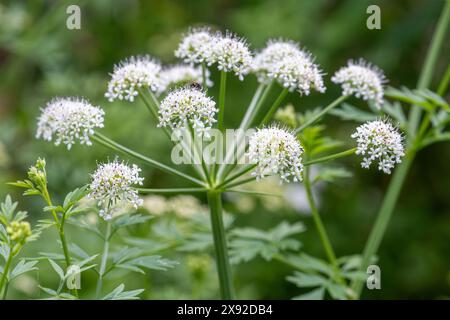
pixel 248 243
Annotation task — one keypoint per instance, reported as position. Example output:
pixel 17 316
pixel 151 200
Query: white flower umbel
pixel 112 187
pixel 231 54
pixel 130 75
pixel 379 141
pixel 276 151
pixel 286 63
pixel 187 106
pixel 69 119
pixel 180 75
pixel 196 46
pixel 363 80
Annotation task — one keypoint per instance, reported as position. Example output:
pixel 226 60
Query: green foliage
pixel 248 243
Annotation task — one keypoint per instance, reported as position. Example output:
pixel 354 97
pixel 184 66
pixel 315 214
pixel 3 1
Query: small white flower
pixel 130 75
pixel 290 66
pixel 363 80
pixel 186 106
pixel 112 187
pixel 196 46
pixel 276 151
pixel 379 141
pixel 68 120
pixel 231 54
pixel 180 75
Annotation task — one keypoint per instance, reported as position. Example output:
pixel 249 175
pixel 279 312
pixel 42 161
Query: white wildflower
pixel 180 75
pixel 276 151
pixel 68 120
pixel 196 46
pixel 231 54
pixel 112 187
pixel 130 75
pixel 290 66
pixel 363 80
pixel 379 141
pixel 186 106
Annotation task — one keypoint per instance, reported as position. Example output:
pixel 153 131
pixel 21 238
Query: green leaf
pixel 57 269
pixel 304 280
pixel 248 243
pixel 128 220
pixel 119 294
pixel 48 291
pixel 330 174
pixel 316 294
pixel 23 267
pixel 337 291
pixel 349 112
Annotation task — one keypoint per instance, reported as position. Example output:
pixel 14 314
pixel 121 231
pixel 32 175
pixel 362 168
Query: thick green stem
pixel 5 272
pixel 220 245
pixel 223 86
pixel 274 107
pixel 104 261
pixel 331 157
pixel 325 110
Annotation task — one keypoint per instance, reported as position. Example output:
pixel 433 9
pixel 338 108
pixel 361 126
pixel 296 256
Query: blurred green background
pixel 40 58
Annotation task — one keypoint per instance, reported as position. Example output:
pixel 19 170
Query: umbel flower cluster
pixel 229 52
pixel 273 150
pixel 362 80
pixel 187 106
pixel 292 67
pixel 132 74
pixel 112 186
pixel 69 119
pixel 379 141
pixel 276 152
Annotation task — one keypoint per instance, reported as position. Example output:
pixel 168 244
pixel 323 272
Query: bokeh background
pixel 40 58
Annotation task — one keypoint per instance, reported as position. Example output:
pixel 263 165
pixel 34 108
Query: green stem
pixel 199 150
pixel 97 137
pixel 204 82
pixel 325 110
pixel 62 237
pixel 318 222
pixel 395 186
pixel 443 85
pixel 220 245
pixel 104 261
pixel 5 271
pixel 383 218
pixel 150 106
pixel 430 62
pixel 236 175
pixel 255 105
pixel 331 157
pixel 171 190
pixel 223 86
pixel 274 107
